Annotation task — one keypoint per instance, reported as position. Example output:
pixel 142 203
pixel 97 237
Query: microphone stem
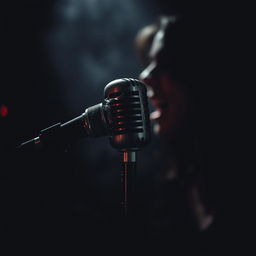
pixel 128 180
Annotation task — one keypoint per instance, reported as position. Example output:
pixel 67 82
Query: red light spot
pixel 3 111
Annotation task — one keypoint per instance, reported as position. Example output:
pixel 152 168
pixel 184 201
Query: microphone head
pixel 129 114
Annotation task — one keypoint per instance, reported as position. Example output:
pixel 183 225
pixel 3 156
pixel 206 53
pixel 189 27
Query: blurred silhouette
pixel 181 206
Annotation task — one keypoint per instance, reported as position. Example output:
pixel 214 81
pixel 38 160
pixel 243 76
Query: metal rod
pixel 128 180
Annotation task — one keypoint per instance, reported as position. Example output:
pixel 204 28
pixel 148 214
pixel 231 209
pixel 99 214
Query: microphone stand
pixel 128 180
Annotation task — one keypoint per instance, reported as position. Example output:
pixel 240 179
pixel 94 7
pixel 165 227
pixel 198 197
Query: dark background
pixel 57 56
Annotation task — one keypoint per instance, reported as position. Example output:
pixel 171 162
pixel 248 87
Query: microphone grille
pixel 129 118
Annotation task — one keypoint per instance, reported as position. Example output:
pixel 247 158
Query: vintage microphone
pixel 130 126
pixel 123 116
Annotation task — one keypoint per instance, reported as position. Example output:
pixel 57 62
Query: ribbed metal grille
pixel 126 113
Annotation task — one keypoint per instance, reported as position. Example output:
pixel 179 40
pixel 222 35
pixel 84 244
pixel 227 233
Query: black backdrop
pixel 38 190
